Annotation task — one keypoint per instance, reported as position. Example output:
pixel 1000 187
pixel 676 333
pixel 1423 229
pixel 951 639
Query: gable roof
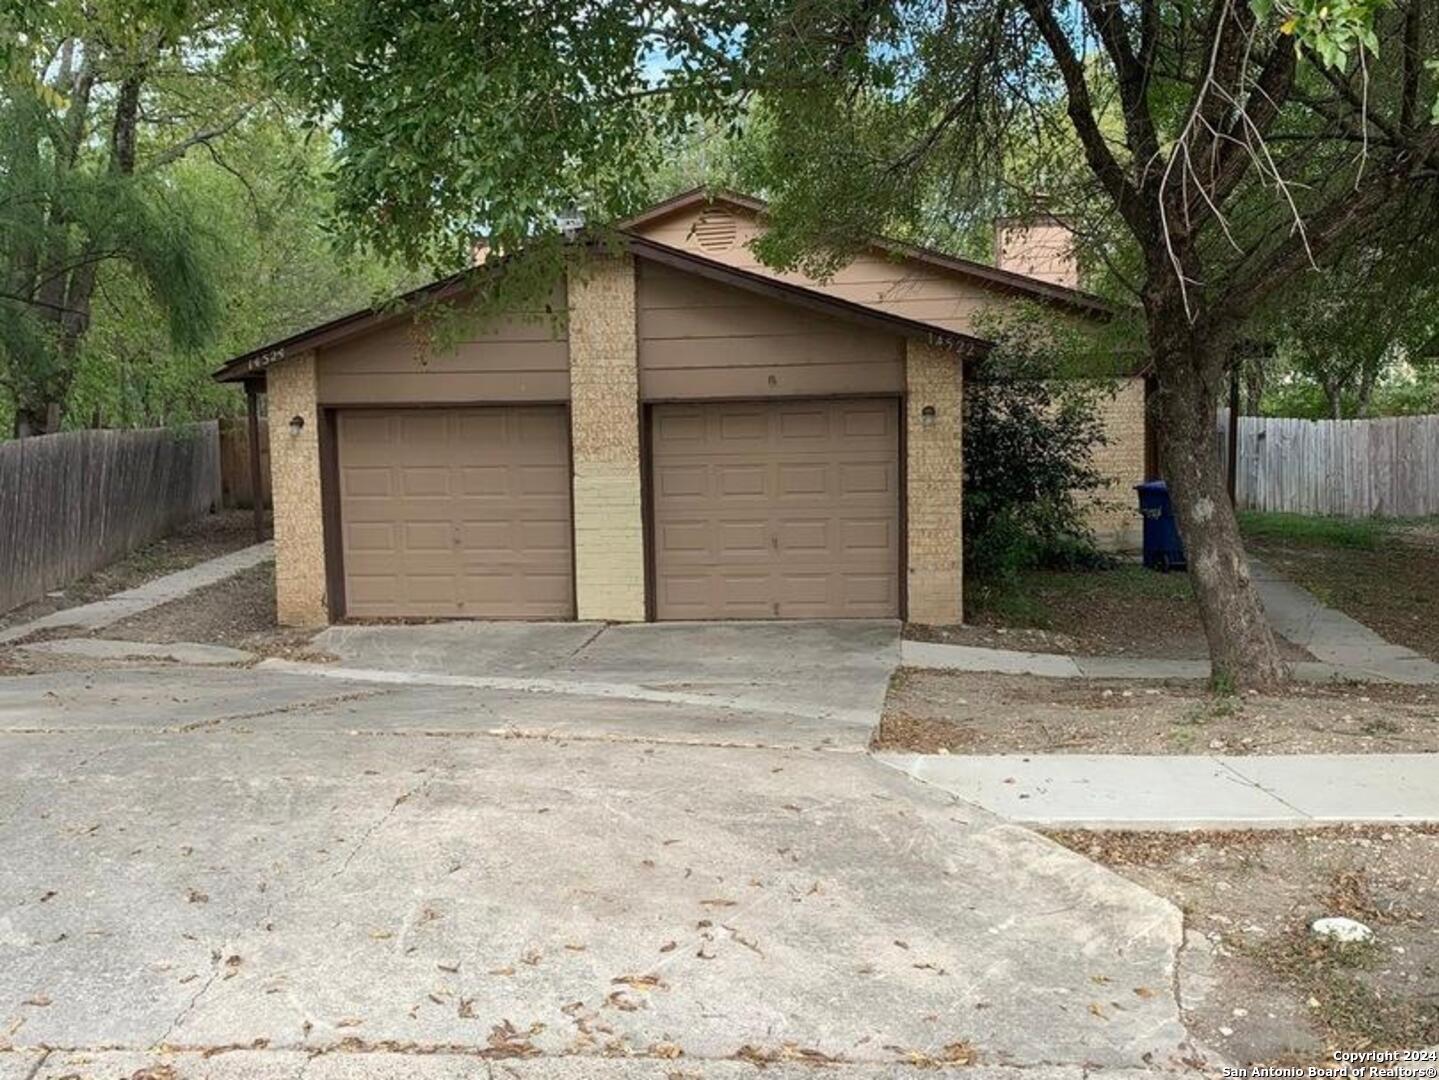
pixel 1006 280
pixel 252 364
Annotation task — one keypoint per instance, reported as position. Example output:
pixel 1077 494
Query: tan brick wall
pixel 934 484
pixel 295 478
pixel 605 426
pixel 1112 516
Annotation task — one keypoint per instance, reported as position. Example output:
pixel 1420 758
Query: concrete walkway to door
pixel 110 610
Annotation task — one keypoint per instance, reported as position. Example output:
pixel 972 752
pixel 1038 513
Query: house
pixel 697 438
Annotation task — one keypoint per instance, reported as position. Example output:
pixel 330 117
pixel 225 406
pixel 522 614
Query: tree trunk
pixel 1334 394
pixel 1254 380
pixel 36 420
pixel 1364 396
pixel 1242 649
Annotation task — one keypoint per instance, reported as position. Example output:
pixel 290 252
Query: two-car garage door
pixel 765 509
pixel 776 509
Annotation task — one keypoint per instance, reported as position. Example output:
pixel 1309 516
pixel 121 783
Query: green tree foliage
pixel 161 208
pixel 1348 339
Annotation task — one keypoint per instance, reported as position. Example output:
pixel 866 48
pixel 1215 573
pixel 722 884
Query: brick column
pixel 295 483
pixel 934 483
pixel 1110 511
pixel 605 429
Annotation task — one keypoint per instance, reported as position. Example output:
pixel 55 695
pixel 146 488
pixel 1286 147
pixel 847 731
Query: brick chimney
pixel 1040 247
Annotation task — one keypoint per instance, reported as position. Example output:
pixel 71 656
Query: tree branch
pixel 1080 108
pixel 203 137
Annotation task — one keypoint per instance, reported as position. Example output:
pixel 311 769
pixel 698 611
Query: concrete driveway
pixel 259 873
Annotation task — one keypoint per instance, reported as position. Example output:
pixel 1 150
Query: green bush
pixel 1029 434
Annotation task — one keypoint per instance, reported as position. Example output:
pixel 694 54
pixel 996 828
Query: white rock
pixel 1348 931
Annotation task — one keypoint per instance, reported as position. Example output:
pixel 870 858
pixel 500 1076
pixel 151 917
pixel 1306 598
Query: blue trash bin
pixel 1163 549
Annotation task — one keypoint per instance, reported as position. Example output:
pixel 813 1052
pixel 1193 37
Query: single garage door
pixel 776 509
pixel 456 512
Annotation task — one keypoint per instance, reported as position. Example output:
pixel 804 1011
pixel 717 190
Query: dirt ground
pixel 1122 611
pixel 1390 588
pixel 239 612
pixel 204 538
pixel 972 713
pixel 1256 984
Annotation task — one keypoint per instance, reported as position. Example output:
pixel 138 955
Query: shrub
pixel 1030 429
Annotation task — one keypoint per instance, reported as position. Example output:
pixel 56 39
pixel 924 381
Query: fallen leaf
pixel 959 1053
pixel 640 982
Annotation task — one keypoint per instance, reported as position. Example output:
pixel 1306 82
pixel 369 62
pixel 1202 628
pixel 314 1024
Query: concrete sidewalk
pixel 1116 791
pixel 162 590
pixel 1332 636
pixel 935 657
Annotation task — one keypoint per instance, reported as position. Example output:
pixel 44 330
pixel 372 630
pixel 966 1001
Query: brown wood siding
pixel 456 512
pixel 522 357
pixel 901 286
pixel 776 509
pixel 701 339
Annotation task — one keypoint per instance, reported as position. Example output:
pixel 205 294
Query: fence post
pixel 252 417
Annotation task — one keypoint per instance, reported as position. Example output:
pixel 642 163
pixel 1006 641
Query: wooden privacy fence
pixel 1346 468
pixel 72 502
pixel 235 463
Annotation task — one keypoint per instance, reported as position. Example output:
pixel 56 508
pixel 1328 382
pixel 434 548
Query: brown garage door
pixel 456 512
pixel 785 509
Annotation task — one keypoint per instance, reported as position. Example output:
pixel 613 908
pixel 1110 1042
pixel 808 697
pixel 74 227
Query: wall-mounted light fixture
pixel 297 425
pixel 927 415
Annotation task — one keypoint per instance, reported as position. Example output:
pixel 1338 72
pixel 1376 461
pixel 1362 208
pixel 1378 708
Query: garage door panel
pixel 859 535
pixel 804 537
pixel 797 424
pixel 687 538
pixel 537 538
pixel 456 512
pixel 866 478
pixel 360 481
pixel 681 481
pixel 742 539
pixel 429 536
pixel 739 424
pixel 776 509
pixel 740 481
pixel 542 480
pixel 864 422
pixel 483 480
pixel 805 480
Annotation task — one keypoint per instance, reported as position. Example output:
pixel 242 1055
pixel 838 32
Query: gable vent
pixel 716 230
